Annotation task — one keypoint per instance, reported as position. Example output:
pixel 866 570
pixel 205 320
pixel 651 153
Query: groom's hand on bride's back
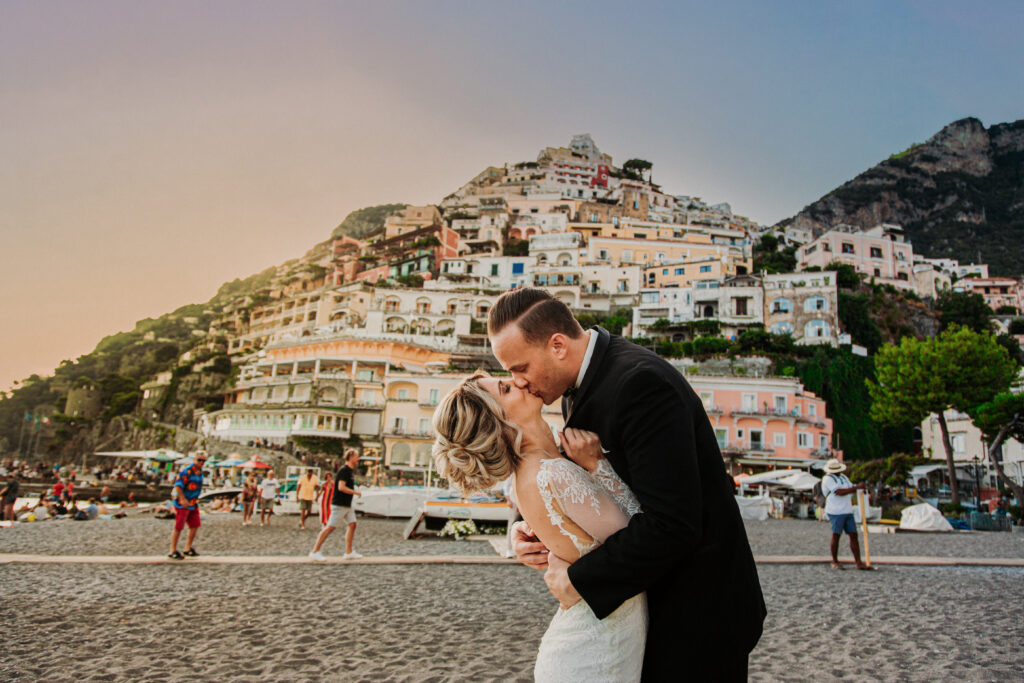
pixel 528 549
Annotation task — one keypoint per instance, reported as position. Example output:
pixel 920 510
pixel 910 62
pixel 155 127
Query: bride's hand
pixel 582 447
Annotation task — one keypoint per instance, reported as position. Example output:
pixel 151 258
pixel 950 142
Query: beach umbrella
pixel 162 456
pixel 230 462
pixel 255 464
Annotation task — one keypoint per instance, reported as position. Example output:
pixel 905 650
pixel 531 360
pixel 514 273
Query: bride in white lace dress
pixel 487 429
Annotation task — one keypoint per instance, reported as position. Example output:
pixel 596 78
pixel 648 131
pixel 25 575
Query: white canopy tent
pixel 162 454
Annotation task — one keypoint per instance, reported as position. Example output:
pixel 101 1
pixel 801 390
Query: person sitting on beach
pixel 838 489
pixel 8 497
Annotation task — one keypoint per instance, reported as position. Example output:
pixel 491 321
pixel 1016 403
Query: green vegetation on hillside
pixel 362 222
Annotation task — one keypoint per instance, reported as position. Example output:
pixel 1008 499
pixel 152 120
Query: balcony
pixel 712 409
pixel 400 432
pixel 745 448
pixel 762 412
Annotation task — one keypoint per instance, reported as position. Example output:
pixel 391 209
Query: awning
pixel 924 470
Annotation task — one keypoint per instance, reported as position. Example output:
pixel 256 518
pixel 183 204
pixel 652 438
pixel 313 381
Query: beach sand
pixel 464 622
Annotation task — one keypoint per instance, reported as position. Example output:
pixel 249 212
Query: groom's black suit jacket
pixel 687 548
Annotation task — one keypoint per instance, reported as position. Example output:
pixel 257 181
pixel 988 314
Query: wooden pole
pixel 862 502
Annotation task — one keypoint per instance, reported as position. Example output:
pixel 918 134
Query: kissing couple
pixel 637 530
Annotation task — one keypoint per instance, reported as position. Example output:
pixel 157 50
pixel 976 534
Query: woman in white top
pixel 487 429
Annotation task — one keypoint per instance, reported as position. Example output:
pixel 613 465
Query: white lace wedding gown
pixel 588 508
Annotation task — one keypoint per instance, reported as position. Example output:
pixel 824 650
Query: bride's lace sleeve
pixel 577 505
pixel 606 476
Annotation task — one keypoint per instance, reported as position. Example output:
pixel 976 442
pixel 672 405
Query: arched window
pixel 400 454
pixel 815 303
pixel 816 329
pixel 423 455
pixel 781 305
pixel 783 327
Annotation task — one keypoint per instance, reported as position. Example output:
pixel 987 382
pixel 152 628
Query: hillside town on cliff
pixel 358 340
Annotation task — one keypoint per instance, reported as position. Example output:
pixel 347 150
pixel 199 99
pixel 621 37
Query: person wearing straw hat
pixel 838 489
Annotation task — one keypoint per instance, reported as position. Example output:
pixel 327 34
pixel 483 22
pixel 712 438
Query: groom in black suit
pixel 687 548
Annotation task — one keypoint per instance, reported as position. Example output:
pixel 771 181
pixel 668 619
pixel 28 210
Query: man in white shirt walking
pixel 268 496
pixel 838 489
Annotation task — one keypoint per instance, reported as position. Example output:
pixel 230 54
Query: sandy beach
pixel 465 622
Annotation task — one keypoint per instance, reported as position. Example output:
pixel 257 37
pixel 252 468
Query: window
pixel 705 269
pixel 876 252
pixel 815 303
pixel 627 255
pixel 781 305
pixel 822 442
pixel 756 439
pixel 650 298
pixel 364 376
pixel 902 276
pixel 517 268
pixel 779 440
pixel 784 327
pixel 424 425
pixel 399 425
pixel 707 398
pixel 816 328
pixel 741 305
pixel 722 435
pixel 959 443
pixel 400 454
pixel 433 397
pixel 750 403
pixel 403 394
pixel 812 409
pixel 878 273
pixel 803 440
pixel 780 404
pixel 494 269
pixel 848 248
pixel 680 271
pixel 602 254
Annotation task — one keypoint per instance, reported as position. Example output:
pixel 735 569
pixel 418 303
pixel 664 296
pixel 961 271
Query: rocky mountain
pixel 958 195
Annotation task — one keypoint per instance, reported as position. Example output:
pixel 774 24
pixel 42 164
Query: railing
pixel 748 449
pixel 713 409
pixel 762 412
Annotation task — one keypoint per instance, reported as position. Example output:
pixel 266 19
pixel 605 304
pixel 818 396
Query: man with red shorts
pixel 185 496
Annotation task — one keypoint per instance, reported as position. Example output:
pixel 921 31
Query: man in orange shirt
pixel 308 486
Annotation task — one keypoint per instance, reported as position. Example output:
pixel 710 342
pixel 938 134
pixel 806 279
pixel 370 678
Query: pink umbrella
pixel 255 464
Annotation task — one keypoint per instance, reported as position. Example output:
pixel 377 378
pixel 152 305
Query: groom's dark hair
pixel 538 315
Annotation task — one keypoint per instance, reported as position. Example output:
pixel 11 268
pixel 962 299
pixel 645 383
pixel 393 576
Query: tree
pixel 637 169
pixel 770 259
pixel 961 308
pixel 847 276
pixel 855 315
pixel 959 369
pixel 998 420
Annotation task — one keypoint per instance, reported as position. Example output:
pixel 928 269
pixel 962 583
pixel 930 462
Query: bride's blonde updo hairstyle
pixel 475 447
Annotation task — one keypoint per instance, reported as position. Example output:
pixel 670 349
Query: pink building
pixel 998 292
pixel 765 422
pixel 880 253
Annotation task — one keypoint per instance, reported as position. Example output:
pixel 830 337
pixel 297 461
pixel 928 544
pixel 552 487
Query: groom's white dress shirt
pixel 586 357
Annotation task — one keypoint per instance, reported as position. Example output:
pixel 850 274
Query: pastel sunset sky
pixel 150 151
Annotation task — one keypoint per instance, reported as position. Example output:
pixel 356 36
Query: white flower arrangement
pixel 459 528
